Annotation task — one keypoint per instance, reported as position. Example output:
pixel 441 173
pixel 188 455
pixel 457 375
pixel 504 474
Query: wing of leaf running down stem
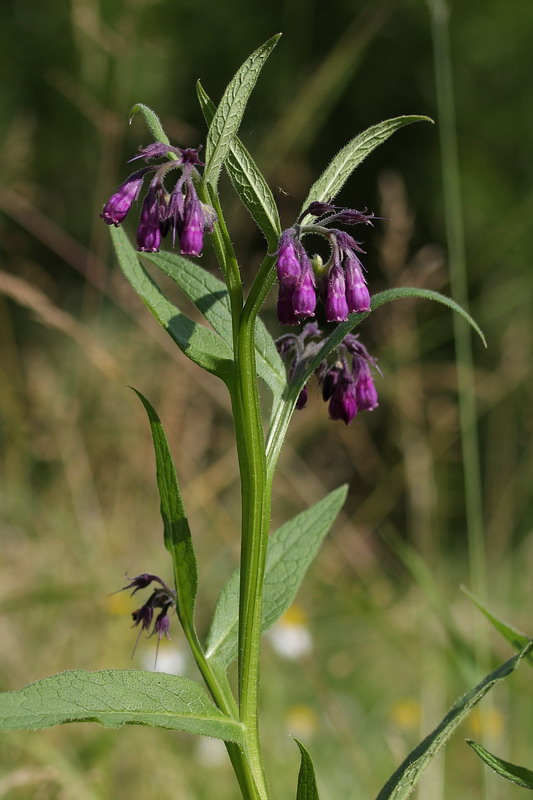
pixel 228 116
pixel 176 531
pixel 343 164
pixel 511 772
pixel 283 408
pixel 247 180
pixel 115 697
pixel 210 296
pixel 516 638
pixel 291 549
pixel 201 345
pixel 402 782
pixel 307 789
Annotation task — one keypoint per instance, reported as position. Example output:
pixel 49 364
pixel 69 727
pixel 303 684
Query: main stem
pixel 256 495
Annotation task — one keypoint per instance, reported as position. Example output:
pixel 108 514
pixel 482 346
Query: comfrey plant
pixel 237 349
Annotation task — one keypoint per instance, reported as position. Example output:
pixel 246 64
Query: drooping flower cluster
pixel 179 211
pixel 162 598
pixel 340 283
pixel 346 384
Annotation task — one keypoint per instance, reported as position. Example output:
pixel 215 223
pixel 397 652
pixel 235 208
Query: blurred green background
pixel 382 639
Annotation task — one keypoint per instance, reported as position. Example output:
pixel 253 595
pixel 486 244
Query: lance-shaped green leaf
pixel 153 123
pixel 306 777
pixel 200 344
pixel 341 167
pixel 247 180
pixel 511 772
pixel 291 549
pixel 515 637
pixel 115 697
pixel 210 296
pixel 282 408
pixel 176 531
pixel 402 782
pixel 229 113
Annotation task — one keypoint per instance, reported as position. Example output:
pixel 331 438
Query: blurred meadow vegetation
pixel 389 638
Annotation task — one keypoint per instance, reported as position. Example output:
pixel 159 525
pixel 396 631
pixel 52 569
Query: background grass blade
pixel 116 697
pixel 306 777
pixel 176 531
pixel 291 549
pixel 511 772
pixel 228 115
pixel 402 782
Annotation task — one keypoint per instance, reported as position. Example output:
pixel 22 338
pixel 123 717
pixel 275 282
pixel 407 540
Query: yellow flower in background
pixel 487 721
pixel 301 721
pixel 405 714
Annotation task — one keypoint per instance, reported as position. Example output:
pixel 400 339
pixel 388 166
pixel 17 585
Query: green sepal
pixel 116 697
pixel 197 342
pixel 511 772
pixel 307 789
pixel 402 782
pixel 176 531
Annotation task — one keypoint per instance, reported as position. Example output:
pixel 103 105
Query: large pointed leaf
pixel 210 296
pixel 403 781
pixel 291 549
pixel 227 118
pixel 200 344
pixel 176 531
pixel 341 167
pixel 248 181
pixel 511 772
pixel 515 637
pixel 115 697
pixel 306 777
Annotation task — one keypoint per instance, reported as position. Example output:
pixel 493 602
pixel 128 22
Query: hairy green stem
pixel 255 497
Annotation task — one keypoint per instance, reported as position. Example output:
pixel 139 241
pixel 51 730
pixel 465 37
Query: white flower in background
pixel 290 636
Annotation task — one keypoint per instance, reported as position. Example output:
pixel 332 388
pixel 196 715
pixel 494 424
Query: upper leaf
pixel 247 180
pixel 210 296
pixel 153 123
pixel 402 782
pixel 227 118
pixel 341 167
pixel 291 549
pixel 116 697
pixel 307 789
pixel 176 531
pixel 511 772
pixel 201 345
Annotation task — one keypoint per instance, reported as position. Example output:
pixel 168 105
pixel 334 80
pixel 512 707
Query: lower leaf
pixel 402 782
pixel 511 772
pixel 306 777
pixel 115 697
